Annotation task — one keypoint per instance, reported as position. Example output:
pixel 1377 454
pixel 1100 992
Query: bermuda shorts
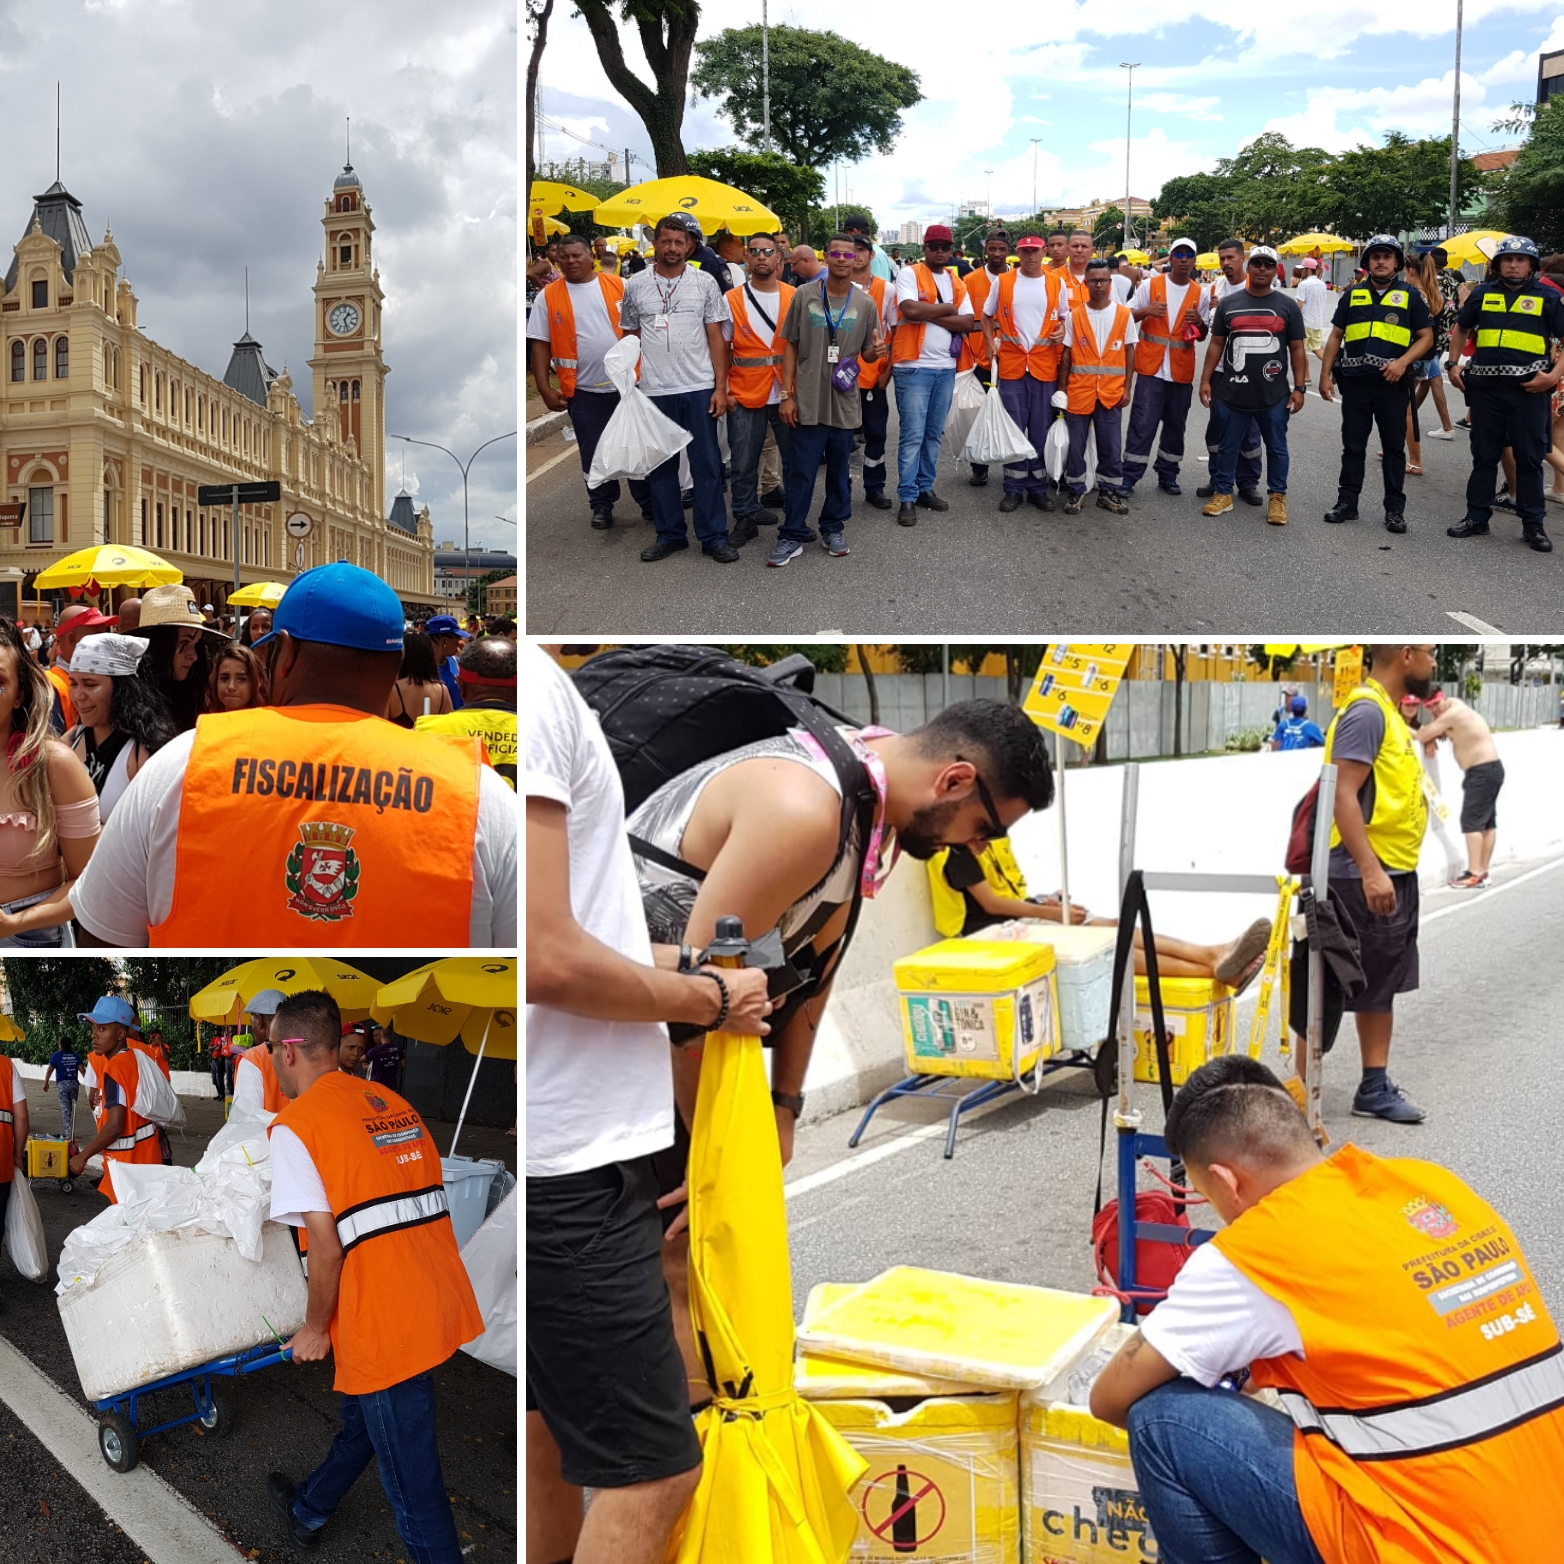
pixel 1387 946
pixel 603 1366
pixel 1480 796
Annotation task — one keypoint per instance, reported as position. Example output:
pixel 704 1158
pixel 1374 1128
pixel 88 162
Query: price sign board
pixel 1075 686
pixel 1349 674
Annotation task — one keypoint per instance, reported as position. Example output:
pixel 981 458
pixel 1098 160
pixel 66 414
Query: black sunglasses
pixel 996 827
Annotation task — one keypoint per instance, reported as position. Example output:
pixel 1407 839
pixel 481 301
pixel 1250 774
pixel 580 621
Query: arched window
pixel 345 203
pixel 342 390
pixel 18 361
pixel 355 390
pixel 40 358
pixel 62 358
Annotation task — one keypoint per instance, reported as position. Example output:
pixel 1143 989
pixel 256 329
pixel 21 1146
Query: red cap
pixel 1031 242
pixel 91 620
pixel 938 231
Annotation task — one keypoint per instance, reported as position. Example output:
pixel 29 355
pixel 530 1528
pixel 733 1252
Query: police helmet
pixel 1386 242
pixel 1518 244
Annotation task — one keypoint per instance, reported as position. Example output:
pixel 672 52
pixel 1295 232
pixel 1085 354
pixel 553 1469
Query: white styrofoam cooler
pixel 1083 974
pixel 174 1300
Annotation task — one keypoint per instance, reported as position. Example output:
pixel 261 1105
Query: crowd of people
pixel 153 742
pixel 778 362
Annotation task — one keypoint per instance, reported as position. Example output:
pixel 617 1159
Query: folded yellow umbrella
pixel 259 594
pixel 1305 244
pixel 10 1032
pixel 711 204
pixel 111 565
pixel 222 1001
pixel 774 1486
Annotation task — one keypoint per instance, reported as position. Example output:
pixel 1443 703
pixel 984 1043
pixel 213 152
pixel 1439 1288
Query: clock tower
pixel 349 370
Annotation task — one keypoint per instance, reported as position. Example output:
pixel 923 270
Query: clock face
pixel 343 319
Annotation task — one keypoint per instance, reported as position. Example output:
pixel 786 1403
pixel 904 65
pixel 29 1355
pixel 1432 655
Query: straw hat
pixel 173 605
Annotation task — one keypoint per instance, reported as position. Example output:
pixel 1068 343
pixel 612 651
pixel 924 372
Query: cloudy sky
pixel 1331 73
pixel 208 137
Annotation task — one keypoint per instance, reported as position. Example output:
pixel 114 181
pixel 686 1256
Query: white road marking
pixel 553 461
pixel 157 1517
pixel 900 1143
pixel 1472 622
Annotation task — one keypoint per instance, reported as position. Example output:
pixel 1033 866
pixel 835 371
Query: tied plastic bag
pixel 490 1258
pixel 638 438
pixel 156 1100
pixel 24 1233
pixel 995 436
pixel 966 402
pixel 1056 451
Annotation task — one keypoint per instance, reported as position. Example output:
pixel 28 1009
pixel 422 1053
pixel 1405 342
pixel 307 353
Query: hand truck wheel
pixel 117 1441
pixel 67 1185
pixel 219 1421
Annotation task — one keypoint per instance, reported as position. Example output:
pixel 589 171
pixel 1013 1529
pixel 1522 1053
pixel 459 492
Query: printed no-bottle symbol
pixel 904 1509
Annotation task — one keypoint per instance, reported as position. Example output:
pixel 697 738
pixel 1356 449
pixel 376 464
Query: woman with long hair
pixel 179 651
pixel 418 681
pixel 48 807
pixel 122 721
pixel 257 623
pixel 238 680
pixel 1423 274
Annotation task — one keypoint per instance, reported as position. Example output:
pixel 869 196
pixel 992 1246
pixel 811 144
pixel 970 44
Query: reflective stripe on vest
pixel 1083 395
pixel 1507 337
pixel 1510 337
pixel 1440 1422
pixel 560 313
pixel 1095 369
pixel 1041 358
pixel 390 1213
pixel 741 362
pixel 129 1142
pixel 6 1118
pixel 753 374
pixel 1370 328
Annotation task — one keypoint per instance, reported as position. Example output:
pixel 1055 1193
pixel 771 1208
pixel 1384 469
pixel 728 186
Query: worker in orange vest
pixel 14 1130
pixel 572 324
pixel 873 389
pixel 1078 251
pixel 123 1135
pixel 1097 369
pixel 976 350
pixel 140 1043
pixel 255 1081
pixel 389 1297
pixel 1393 1312
pixel 1172 311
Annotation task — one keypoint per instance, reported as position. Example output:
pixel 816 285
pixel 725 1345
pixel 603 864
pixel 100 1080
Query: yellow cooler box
pixel 47 1157
pixel 1198 1013
pixel 942 1485
pixel 1080 1503
pixel 983 1008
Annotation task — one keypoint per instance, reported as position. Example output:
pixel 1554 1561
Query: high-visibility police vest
pixel 259 1058
pixel 1000 870
pixel 494 725
pixel 344 825
pixel 562 325
pixel 404 1302
pixel 756 365
pixel 1378 328
pixel 974 348
pixel 1097 380
pixel 1511 339
pixel 870 375
pixel 1400 815
pixel 137 1141
pixel 7 1121
pixel 1430 1397
pixel 908 342
pixel 1161 334
pixel 1039 359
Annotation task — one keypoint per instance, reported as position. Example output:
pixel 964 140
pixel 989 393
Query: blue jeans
pixel 746 435
pixel 396 1427
pixel 922 406
pixel 1216 1478
pixel 1232 426
pixel 690 410
pixel 812 444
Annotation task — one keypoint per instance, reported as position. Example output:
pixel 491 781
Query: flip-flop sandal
pixel 1414 469
pixel 1239 968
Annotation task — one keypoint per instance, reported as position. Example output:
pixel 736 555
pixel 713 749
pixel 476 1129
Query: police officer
pixel 1381 328
pixel 1515 366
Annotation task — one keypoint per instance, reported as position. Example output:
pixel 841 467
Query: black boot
pixel 1537 539
pixel 1343 510
pixel 1395 521
pixel 1468 529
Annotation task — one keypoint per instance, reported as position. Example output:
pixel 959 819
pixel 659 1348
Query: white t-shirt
pixel 594 334
pixel 18 1090
pixel 936 352
pixel 296 1181
pixel 1030 306
pixel 1102 327
pixel 1214 1320
pixel 1122 288
pixel 1314 301
pixel 128 884
pixel 1175 301
pixel 597 1091
pixel 771 303
pixel 249 1088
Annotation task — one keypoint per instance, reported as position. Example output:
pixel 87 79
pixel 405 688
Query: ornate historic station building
pixel 106 437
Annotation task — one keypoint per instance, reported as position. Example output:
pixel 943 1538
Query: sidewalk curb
pixel 541 428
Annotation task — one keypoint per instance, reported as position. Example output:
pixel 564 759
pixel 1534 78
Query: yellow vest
pixel 496 728
pixel 1400 803
pixel 999 868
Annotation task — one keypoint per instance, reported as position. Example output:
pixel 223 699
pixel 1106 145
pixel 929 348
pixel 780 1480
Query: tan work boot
pixel 1276 511
pixel 1218 505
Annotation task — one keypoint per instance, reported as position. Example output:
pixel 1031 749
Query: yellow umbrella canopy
pixel 259 594
pixel 10 1032
pixel 1209 261
pixel 775 1482
pixel 1302 648
pixel 111 565
pixel 470 997
pixel 222 1001
pixel 1304 244
pixel 711 204
pixel 1135 257
pixel 549 197
pixel 1473 249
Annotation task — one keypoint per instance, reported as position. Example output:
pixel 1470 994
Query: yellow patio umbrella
pixel 471 997
pixel 259 594
pixel 1473 249
pixel 1302 648
pixel 1135 257
pixel 711 204
pixel 222 1001
pixel 550 197
pixel 775 1482
pixel 108 565
pixel 10 1032
pixel 1306 244
pixel 1209 261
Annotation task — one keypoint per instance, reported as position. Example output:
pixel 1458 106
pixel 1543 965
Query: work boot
pixel 929 500
pixel 744 530
pixel 1169 485
pixel 1072 505
pixel 602 520
pixel 1109 501
pixel 774 499
pixel 1250 496
pixel 877 498
pixel 1395 521
pixel 297 1535
pixel 978 477
pixel 723 553
pixel 1204 492
pixel 1219 505
pixel 1537 539
pixel 1043 501
pixel 1468 528
pixel 662 548
pixel 907 516
pixel 1276 510
pixel 1386 1101
pixel 1343 510
pixel 1011 502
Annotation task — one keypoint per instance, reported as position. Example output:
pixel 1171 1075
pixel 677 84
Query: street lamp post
pixel 988 193
pixel 1455 125
pixel 1129 90
pixel 1034 140
pixel 464 467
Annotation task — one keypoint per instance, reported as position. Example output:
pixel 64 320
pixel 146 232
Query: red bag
pixel 1156 1264
pixel 1300 839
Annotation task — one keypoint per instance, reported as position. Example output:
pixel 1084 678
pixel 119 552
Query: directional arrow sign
pixel 299 525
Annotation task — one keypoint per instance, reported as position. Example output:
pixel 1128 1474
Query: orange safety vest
pixel 7 1122
pixel 870 375
pixel 562 325
pixel 1017 358
pixel 1159 334
pixel 755 365
pixel 1097 381
pixel 138 1140
pixel 154 1054
pixel 346 822
pixel 404 1302
pixel 260 1056
pixel 1429 1402
pixel 974 347
pixel 62 684
pixel 1073 293
pixel 908 341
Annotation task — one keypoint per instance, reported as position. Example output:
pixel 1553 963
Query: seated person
pixel 1392 1310
pixel 1294 730
pixel 973 891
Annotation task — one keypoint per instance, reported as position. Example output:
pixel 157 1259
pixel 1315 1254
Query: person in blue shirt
pixel 447 636
pixel 65 1066
pixel 1295 730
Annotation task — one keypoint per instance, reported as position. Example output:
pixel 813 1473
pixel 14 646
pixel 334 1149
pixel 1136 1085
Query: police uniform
pixel 1515 326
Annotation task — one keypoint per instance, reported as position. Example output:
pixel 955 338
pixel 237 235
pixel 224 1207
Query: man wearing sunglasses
pixel 758 306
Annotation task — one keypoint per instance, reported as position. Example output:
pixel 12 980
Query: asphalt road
pixel 1163 568
pixel 1476 1045
pixel 284 1419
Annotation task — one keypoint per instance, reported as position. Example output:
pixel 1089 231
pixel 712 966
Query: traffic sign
pixel 299 525
pixel 247 493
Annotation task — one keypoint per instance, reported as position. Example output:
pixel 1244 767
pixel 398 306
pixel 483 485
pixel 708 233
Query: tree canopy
pixel 666 29
pixel 1529 195
pixel 790 189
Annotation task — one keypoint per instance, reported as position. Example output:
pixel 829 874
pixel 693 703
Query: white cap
pixel 1184 244
pixel 1263 252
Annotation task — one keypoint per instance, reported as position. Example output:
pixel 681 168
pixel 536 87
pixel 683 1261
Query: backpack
pixel 1300 838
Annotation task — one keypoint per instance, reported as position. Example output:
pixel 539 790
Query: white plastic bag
pixel 995 437
pixel 156 1100
pixel 490 1258
pixel 24 1233
pixel 966 402
pixel 637 438
pixel 1055 448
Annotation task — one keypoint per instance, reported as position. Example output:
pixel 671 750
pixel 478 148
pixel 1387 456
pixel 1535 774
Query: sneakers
pixel 1108 500
pixel 929 500
pixel 1275 510
pixel 787 549
pixel 1217 505
pixel 1502 501
pixel 1439 434
pixel 1072 506
pixel 298 1536
pixel 1011 502
pixel 1469 882
pixel 1467 528
pixel 834 544
pixel 1386 1101
pixel 1342 510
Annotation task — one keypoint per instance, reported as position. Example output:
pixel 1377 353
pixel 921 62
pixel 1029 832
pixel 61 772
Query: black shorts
pixel 1480 796
pixel 603 1365
pixel 1387 946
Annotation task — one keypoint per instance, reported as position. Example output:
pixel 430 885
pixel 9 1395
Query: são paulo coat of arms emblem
pixel 322 872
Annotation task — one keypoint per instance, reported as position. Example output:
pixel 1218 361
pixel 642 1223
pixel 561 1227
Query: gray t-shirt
pixel 806 326
pixel 674 357
pixel 1360 730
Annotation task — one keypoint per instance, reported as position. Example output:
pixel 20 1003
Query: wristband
pixel 722 988
pixel 686 959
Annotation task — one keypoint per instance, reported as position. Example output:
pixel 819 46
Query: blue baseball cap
pixel 444 624
pixel 109 1009
pixel 340 605
pixel 1299 705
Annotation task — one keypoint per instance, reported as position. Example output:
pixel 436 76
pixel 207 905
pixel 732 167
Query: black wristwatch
pixel 794 1104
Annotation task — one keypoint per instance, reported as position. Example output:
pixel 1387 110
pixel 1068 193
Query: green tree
pixel 1396 188
pixel 824 219
pixel 1528 196
pixel 1108 230
pixel 1279 188
pixel 788 188
pixel 568 173
pixel 830 657
pixel 477 588
pixel 1201 207
pixel 831 101
pixel 160 987
pixel 666 29
pixel 47 993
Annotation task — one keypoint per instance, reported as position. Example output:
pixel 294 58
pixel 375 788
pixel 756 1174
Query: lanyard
pixel 841 314
pixel 666 299
pixel 870 877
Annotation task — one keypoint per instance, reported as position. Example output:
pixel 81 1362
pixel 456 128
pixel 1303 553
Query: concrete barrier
pixel 186 1083
pixel 1217 814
